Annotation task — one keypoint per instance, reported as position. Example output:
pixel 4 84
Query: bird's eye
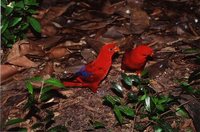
pixel 111 49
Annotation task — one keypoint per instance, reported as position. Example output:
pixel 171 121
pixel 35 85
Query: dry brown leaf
pixel 31 49
pixel 112 32
pixel 47 42
pixel 49 30
pixel 87 15
pixel 16 56
pixel 55 12
pixel 88 55
pixel 93 25
pixel 58 52
pixel 8 70
pixel 139 20
pixel 135 3
pixel 110 9
pixel 48 69
pixel 15 51
pixel 96 45
pixel 23 61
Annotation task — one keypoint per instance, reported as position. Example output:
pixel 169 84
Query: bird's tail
pixel 75 84
pixel 92 86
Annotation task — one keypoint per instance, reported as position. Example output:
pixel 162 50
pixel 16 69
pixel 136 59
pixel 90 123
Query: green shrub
pixel 16 19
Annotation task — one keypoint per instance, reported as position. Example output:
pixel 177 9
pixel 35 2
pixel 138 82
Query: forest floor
pixel 72 34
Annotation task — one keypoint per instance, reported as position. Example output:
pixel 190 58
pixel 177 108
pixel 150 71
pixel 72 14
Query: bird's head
pixel 144 50
pixel 110 48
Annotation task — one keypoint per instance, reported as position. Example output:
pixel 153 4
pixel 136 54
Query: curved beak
pixel 116 49
pixel 152 54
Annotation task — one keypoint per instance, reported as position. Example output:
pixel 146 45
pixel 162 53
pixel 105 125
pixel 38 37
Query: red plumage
pixel 136 58
pixel 93 73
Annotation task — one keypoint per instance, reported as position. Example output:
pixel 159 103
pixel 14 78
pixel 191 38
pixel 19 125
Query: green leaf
pixel 29 86
pixel 36 79
pixel 98 125
pixel 160 107
pixel 20 4
pixel 194 76
pixel 31 2
pixel 126 79
pixel 117 88
pixel 15 21
pixel 126 110
pixel 23 26
pixel 8 10
pixel 118 114
pixel 55 82
pixel 132 97
pixel 46 96
pixel 148 103
pixel 32 11
pixel 158 129
pixel 58 128
pixel 181 112
pixel 144 73
pixel 35 24
pixel 14 121
pixel 143 97
pixel 31 102
pixel 187 87
pixel 4 3
pixel 135 79
pixel 111 100
pixel 46 89
pixel 4 25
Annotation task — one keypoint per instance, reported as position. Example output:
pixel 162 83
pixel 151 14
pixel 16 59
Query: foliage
pixel 38 105
pixel 144 103
pixel 16 19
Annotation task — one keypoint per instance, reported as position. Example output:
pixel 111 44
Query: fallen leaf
pixel 135 3
pixel 23 61
pixel 58 52
pixel 47 70
pixel 111 9
pixel 139 20
pixel 49 30
pixel 113 32
pixel 88 55
pixel 96 45
pixel 31 49
pixel 54 12
pixel 9 70
pixel 16 56
pixel 74 45
pixel 93 25
pixel 86 15
pixel 49 42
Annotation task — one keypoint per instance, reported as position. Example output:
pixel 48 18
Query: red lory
pixel 136 58
pixel 94 72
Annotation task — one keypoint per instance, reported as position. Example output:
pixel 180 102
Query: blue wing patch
pixel 83 73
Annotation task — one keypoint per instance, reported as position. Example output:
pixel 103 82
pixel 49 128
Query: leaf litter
pixel 72 34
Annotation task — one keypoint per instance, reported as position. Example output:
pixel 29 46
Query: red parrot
pixel 136 58
pixel 94 72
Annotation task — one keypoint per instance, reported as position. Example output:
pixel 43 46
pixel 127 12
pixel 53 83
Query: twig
pixel 177 107
pixel 138 106
pixel 192 29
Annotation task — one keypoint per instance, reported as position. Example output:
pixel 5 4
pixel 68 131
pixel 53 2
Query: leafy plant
pixel 16 19
pixel 143 103
pixel 37 104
